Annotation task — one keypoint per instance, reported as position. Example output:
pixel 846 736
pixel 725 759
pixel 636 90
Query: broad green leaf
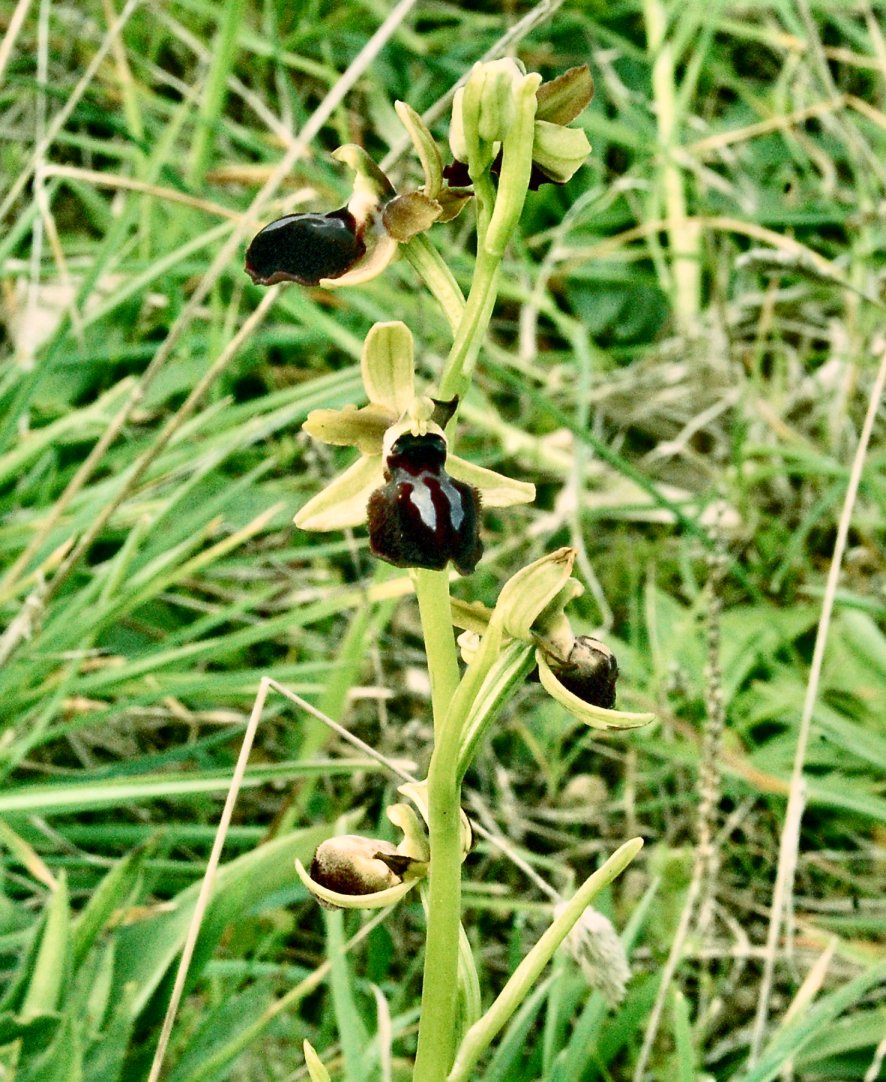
pixel 52 964
pixel 111 894
pixel 61 1061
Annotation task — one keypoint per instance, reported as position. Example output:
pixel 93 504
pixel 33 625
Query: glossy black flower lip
pixel 342 247
pixel 423 517
pixel 305 248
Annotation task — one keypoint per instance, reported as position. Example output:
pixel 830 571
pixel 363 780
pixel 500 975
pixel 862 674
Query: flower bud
pixel 487 108
pixel 353 865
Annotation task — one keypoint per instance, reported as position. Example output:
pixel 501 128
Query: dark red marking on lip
pixel 305 248
pixel 423 517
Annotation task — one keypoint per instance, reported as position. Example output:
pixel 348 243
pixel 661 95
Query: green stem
pixel 437 1030
pixel 439 1002
pixel 469 336
pixel 481 299
pixel 432 592
pixel 437 1035
pixel 436 275
pixel 439 999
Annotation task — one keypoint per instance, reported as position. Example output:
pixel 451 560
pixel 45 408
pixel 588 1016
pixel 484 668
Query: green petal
pixel 342 503
pixel 496 489
pixel 378 899
pixel 362 428
pixel 457 138
pixel 595 716
pixel 425 147
pixel 388 367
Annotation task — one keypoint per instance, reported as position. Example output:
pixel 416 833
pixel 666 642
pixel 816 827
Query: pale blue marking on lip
pixel 423 501
pixel 456 504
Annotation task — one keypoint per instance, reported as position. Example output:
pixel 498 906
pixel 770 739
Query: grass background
pixel 687 339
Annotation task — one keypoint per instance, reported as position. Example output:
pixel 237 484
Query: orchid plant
pixel 423 505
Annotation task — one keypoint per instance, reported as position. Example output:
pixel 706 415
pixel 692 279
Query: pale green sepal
pixel 559 151
pixel 595 716
pixel 376 900
pixel 387 366
pixel 342 503
pixel 560 100
pixel 415 838
pixel 362 428
pixel 516 167
pixel 425 147
pixel 458 143
pixel 528 593
pixel 380 252
pixel 496 490
pixel 315 1067
pixel 480 152
pixel 497 82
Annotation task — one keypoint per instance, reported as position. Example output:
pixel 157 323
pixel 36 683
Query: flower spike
pixel 557 150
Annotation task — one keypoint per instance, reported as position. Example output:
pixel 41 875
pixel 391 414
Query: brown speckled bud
pixel 354 865
pixel 590 671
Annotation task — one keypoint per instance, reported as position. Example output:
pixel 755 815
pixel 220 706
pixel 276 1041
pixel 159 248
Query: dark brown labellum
pixel 590 672
pixel 349 864
pixel 423 517
pixel 304 248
